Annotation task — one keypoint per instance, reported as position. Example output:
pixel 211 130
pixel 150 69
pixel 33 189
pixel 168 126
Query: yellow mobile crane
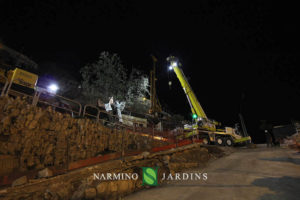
pixel 204 127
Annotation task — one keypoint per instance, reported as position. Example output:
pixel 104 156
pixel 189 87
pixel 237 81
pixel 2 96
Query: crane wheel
pixel 219 141
pixel 228 142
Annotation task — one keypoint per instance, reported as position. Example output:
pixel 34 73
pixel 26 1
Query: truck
pixel 210 131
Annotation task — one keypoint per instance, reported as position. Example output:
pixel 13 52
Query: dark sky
pixel 237 54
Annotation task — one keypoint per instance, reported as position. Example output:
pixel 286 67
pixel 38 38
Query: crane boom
pixel 193 101
pixel 196 108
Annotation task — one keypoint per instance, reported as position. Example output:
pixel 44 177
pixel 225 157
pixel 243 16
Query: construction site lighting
pixel 53 88
pixel 174 64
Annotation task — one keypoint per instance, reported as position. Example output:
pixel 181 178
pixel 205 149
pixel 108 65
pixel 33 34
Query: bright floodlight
pixel 174 64
pixel 53 88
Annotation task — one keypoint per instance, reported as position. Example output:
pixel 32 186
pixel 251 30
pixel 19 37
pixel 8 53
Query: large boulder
pixel 45 173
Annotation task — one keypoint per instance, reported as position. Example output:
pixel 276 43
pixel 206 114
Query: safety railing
pixel 16 93
pixel 93 115
pixel 97 114
pixel 150 131
pixel 5 81
pixel 46 98
pixel 101 115
pixel 57 101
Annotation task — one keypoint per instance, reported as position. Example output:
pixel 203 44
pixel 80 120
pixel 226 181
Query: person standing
pixel 268 138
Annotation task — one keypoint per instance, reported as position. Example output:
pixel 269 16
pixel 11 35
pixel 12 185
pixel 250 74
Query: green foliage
pixel 138 84
pixel 104 78
pixel 108 77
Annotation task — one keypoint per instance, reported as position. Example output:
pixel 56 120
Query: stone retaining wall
pixel 38 138
pixel 80 184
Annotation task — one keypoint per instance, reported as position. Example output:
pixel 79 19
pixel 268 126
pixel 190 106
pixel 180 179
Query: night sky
pixel 239 56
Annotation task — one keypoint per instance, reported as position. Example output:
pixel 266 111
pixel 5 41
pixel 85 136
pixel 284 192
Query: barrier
pixel 17 93
pixel 5 85
pixel 84 113
pixel 112 119
pixel 56 101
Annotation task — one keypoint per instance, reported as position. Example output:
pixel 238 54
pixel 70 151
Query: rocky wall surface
pixel 38 138
pixel 81 184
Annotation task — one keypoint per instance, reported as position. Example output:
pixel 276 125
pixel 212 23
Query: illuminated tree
pixel 107 77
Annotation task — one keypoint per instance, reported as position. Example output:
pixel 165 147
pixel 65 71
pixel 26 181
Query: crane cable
pixel 169 82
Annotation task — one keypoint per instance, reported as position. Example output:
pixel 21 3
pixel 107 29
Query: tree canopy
pixel 108 77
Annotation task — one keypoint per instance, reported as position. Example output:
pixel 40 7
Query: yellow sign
pixel 24 78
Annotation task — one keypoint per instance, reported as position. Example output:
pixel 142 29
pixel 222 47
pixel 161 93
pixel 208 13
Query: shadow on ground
pixel 285 188
pixel 284 159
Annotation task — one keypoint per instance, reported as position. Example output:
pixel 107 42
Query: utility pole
pixel 155 105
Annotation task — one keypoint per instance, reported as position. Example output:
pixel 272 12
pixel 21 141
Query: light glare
pixel 53 88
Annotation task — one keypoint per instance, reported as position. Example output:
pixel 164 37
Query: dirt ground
pixel 260 173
